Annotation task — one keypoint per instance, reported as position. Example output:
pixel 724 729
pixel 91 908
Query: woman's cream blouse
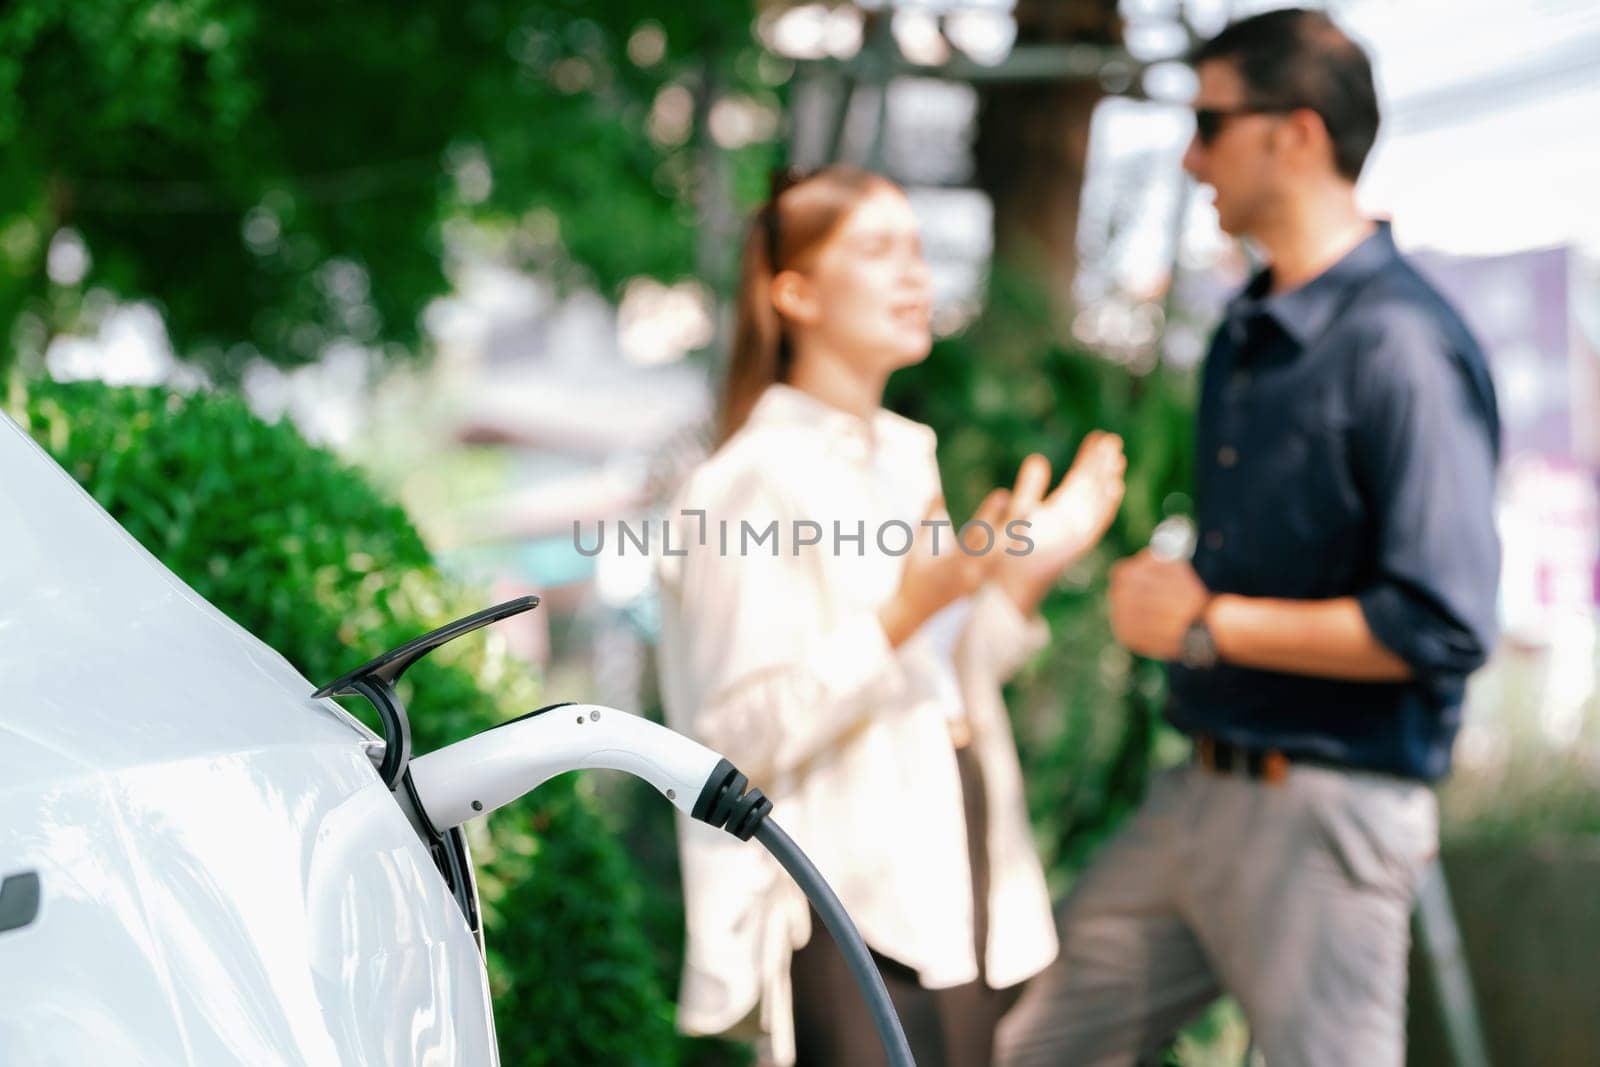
pixel 779 663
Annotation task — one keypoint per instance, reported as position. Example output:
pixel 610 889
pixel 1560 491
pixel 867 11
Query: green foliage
pixel 276 175
pixel 1086 712
pixel 1535 792
pixel 302 552
pixel 1516 779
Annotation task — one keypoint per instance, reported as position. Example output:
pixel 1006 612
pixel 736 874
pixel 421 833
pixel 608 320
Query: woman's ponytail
pixel 760 352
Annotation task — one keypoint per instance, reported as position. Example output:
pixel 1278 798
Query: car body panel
pixel 223 876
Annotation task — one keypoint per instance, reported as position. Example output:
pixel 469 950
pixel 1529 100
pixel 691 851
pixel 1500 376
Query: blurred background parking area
pixel 483 254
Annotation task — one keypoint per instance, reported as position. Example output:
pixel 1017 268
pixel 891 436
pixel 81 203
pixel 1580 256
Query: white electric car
pixel 199 862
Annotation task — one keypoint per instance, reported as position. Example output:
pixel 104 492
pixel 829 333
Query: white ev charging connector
pixel 493 768
pixel 443 789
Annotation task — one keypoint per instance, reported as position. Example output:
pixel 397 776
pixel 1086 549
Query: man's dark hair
pixel 1296 58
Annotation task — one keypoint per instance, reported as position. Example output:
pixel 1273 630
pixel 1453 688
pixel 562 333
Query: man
pixel 1342 590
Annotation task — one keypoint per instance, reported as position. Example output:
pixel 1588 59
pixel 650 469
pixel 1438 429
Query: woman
pixel 854 679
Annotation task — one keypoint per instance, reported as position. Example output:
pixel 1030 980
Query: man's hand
pixel 1153 601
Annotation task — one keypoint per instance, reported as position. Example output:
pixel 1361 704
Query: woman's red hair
pixel 785 233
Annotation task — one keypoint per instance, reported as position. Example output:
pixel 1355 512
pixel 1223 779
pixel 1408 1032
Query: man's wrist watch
pixel 1198 651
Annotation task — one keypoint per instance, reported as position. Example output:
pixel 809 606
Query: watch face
pixel 1199 650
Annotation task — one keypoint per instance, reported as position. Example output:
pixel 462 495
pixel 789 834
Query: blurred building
pixel 1535 313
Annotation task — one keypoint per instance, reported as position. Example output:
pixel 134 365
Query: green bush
pixel 301 551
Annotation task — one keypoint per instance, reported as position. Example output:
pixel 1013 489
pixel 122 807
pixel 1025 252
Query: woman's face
pixel 867 294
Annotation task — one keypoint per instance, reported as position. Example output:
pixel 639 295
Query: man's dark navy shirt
pixel 1348 437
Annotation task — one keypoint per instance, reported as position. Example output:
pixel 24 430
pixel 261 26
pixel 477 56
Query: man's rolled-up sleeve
pixel 1424 449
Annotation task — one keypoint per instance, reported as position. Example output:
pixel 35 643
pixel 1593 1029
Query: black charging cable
pixel 727 803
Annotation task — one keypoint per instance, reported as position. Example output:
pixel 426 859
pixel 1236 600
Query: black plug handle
pixel 376 680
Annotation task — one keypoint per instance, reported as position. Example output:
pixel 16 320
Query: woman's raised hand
pixel 1065 524
pixel 939 571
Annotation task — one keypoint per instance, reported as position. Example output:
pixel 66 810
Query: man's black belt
pixel 1224 757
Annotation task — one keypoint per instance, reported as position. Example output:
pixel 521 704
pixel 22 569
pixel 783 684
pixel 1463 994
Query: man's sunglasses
pixel 1209 121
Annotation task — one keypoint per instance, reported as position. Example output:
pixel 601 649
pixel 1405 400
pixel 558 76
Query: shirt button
pixel 1214 540
pixel 1228 456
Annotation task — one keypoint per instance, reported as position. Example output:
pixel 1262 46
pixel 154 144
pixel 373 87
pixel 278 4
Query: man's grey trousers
pixel 1293 897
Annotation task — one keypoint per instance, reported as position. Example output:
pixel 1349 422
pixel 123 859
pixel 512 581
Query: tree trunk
pixel 1032 149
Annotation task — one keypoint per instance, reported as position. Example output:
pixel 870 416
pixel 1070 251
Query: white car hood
pixel 107 659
